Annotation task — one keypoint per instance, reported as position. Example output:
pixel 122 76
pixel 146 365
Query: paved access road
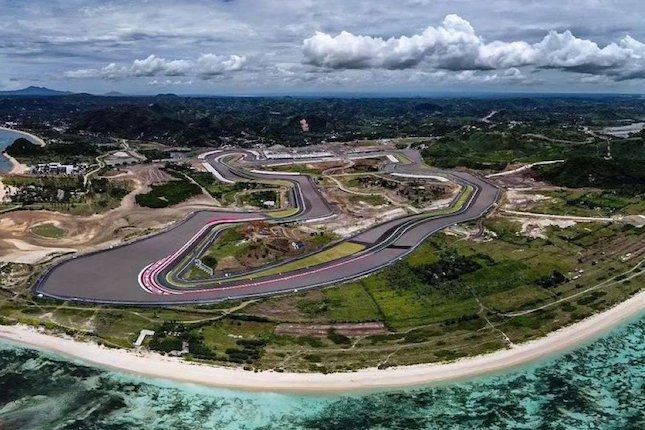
pixel 140 272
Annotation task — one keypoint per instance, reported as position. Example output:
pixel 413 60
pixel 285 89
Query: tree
pixel 210 261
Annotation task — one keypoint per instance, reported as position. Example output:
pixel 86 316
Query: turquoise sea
pixel 597 386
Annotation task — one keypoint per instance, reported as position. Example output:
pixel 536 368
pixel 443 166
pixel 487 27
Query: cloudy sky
pixel 285 46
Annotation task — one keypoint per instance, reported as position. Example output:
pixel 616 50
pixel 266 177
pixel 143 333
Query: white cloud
pixel 83 36
pixel 206 66
pixel 167 82
pixel 212 65
pixel 454 45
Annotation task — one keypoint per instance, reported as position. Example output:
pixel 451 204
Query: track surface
pixel 140 272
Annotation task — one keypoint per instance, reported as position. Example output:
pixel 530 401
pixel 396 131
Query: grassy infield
pixel 48 230
pixel 229 244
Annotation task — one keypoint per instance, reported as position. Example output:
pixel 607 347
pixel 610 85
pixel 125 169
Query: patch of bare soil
pixel 348 204
pixel 354 215
pixel 285 309
pixel 267 244
pixel 346 225
pixel 322 330
pixel 6 191
pixel 522 179
pixel 87 233
pixel 536 227
pixel 227 263
pixel 325 166
pixel 477 233
pixel 522 200
pixel 356 166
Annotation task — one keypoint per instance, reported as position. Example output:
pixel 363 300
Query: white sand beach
pixel 17 168
pixel 158 366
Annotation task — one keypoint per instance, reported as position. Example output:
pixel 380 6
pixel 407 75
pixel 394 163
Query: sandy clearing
pixel 24 252
pixel 536 228
pixel 565 217
pixel 87 233
pixel 17 168
pixel 524 167
pixel 5 192
pixel 520 198
pixel 343 229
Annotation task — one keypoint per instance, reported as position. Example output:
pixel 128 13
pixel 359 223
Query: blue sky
pixel 268 46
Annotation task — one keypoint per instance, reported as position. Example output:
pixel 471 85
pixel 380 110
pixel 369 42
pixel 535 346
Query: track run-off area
pixel 149 271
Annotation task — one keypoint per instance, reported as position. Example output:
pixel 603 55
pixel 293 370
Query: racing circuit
pixel 147 271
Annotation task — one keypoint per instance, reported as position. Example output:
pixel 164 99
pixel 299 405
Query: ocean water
pixel 597 386
pixel 7 138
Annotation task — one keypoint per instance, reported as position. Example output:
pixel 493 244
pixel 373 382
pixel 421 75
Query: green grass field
pixel 341 250
pixel 229 243
pixel 285 213
pixel 590 203
pixel 48 230
pixel 372 200
pixel 495 149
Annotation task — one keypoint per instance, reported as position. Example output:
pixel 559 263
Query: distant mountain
pixel 114 94
pixel 167 96
pixel 35 91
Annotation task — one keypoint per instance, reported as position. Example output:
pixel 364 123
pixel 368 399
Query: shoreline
pixel 149 364
pixel 18 168
pixel 32 137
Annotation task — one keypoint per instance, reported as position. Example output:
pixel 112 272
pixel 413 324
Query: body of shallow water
pixel 624 130
pixel 600 385
pixel 7 137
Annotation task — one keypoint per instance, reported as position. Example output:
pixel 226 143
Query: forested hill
pixel 244 121
pixel 227 120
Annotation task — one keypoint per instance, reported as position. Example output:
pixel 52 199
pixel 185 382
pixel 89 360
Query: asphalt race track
pixel 140 272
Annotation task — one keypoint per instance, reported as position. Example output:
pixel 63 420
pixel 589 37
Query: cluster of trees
pixel 338 338
pixel 370 181
pixel 553 280
pixel 623 175
pixel 259 197
pixel 171 335
pixel 66 153
pixel 464 139
pixel 168 194
pixel 210 261
pixel 420 277
pixel 250 351
pixel 221 120
pixel 63 189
